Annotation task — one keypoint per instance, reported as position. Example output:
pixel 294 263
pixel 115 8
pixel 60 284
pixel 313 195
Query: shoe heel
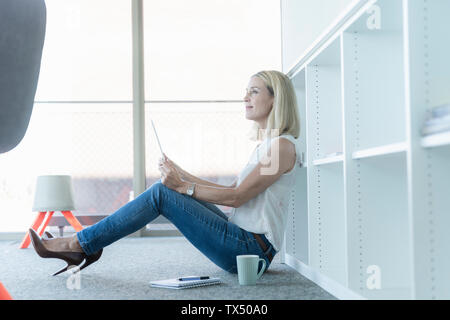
pixel 68 268
pixel 61 271
pixel 91 259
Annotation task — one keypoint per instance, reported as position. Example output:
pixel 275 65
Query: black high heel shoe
pixel 71 258
pixel 87 261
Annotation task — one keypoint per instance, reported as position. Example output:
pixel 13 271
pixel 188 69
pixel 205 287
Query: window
pixel 208 49
pixel 81 123
pixel 199 55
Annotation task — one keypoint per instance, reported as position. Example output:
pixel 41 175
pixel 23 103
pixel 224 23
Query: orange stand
pixel 42 217
pixel 4 295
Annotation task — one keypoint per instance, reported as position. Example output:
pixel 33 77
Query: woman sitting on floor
pixel 259 197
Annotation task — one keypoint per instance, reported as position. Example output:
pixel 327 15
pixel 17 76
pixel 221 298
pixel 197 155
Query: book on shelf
pixel 437 120
pixel 434 129
pixel 440 111
pixel 436 125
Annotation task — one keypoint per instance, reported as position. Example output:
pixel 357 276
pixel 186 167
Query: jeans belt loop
pixel 263 246
pixel 268 250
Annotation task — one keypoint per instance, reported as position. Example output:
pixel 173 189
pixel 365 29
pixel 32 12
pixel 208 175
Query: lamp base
pixel 45 217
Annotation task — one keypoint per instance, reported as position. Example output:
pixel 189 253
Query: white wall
pixel 303 21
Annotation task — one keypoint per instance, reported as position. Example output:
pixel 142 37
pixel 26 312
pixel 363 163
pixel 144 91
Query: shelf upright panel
pixel 297 230
pixel 327 221
pixel 299 83
pixel 324 108
pixel 297 235
pixel 376 188
pixel 327 233
pixel 428 85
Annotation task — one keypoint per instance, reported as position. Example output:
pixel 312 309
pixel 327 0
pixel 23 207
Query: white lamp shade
pixel 53 193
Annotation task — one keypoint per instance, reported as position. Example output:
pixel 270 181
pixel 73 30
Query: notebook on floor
pixel 176 283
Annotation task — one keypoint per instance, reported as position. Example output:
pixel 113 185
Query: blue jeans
pixel 202 223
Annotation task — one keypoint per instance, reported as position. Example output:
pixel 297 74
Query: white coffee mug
pixel 247 266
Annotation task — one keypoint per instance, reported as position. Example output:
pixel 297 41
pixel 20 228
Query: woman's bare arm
pixel 186 176
pixel 193 179
pixel 281 160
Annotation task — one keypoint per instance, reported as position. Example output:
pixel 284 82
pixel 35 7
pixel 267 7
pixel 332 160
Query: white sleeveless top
pixel 267 212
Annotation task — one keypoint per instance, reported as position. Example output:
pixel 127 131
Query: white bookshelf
pixel 327 244
pixel 297 225
pixel 369 216
pixel 323 104
pixel 380 151
pixel 299 84
pixel 327 239
pixel 296 240
pixel 428 85
pixel 328 160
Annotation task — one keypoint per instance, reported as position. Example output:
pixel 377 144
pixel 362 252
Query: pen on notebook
pixel 193 278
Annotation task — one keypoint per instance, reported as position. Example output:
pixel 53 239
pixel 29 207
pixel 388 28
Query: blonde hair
pixel 283 118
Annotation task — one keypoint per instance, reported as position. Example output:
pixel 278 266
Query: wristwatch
pixel 190 189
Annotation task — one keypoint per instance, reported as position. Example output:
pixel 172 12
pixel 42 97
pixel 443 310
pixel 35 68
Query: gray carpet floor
pixel 127 266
